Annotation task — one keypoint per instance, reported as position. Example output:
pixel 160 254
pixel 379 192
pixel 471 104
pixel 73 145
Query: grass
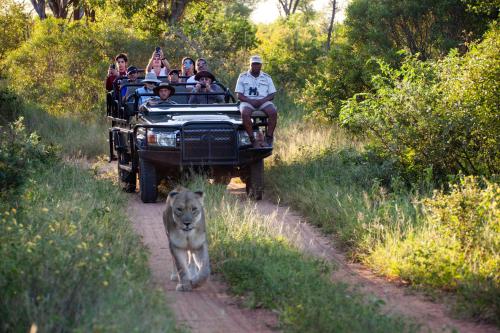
pixel 258 262
pixel 71 261
pixel 360 198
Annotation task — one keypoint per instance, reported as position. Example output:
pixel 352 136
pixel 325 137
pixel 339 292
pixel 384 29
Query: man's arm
pixel 261 101
pixel 246 99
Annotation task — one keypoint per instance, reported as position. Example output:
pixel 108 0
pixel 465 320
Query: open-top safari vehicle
pixel 169 140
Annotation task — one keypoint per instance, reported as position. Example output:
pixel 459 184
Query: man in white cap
pixel 255 90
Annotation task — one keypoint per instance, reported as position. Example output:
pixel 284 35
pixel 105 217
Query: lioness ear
pixel 199 195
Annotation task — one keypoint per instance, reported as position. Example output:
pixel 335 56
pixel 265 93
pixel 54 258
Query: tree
pixel 15 26
pixel 330 26
pixel 429 28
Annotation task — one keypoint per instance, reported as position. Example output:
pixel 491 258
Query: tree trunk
pixel 289 6
pixel 39 6
pixel 330 27
pixel 59 8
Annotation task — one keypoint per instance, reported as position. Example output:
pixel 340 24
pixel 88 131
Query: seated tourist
pixel 163 92
pixel 201 65
pixel 205 85
pixel 173 76
pixel 150 82
pixel 125 90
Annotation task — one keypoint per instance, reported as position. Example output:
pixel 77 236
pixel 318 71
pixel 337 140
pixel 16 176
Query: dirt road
pixel 211 309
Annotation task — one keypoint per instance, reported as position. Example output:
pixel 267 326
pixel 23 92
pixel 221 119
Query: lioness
pixel 184 221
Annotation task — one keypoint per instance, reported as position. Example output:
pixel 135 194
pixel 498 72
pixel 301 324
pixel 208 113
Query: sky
pixel 267 10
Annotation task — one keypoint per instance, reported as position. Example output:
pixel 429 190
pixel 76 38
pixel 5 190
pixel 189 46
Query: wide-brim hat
pixel 150 78
pixel 201 74
pixel 163 85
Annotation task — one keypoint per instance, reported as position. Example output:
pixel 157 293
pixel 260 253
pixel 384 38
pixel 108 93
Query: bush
pixel 442 116
pixel 71 261
pixel 20 155
pixel 456 248
pixel 67 64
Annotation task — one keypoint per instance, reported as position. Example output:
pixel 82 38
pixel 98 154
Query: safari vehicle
pixel 171 140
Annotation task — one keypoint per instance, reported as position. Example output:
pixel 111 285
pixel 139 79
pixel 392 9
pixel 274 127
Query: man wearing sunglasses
pixel 256 90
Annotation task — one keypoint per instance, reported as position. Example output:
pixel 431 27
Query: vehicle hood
pixel 180 116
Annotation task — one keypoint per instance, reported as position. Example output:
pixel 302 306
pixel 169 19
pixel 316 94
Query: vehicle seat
pixel 180 99
pixel 259 114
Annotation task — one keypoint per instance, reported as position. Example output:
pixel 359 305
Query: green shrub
pixel 442 116
pixel 20 155
pixel 71 261
pixel 457 247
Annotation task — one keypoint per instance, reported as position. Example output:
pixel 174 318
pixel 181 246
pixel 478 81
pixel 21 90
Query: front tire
pixel 127 180
pixel 147 178
pixel 255 183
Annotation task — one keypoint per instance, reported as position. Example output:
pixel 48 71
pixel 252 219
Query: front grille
pixel 208 143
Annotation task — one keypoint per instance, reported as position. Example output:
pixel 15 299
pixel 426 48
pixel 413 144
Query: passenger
pixel 111 76
pixel 163 92
pixel 187 68
pixel 173 76
pixel 126 90
pixel 158 63
pixel 201 65
pixel 205 85
pixel 122 61
pixel 150 81
pixel 255 90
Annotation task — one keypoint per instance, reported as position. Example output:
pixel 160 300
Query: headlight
pixel 244 139
pixel 162 139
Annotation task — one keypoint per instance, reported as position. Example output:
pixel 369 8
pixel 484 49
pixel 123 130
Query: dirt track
pixel 211 309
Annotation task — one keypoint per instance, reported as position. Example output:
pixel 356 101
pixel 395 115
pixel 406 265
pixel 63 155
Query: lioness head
pixel 187 209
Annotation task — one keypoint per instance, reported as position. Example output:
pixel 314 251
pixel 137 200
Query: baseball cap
pixel 255 59
pixel 131 70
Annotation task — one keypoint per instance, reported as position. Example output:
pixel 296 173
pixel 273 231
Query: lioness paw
pixel 183 287
pixel 174 277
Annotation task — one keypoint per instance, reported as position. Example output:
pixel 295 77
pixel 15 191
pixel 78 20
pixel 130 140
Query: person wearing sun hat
pixel 163 92
pixel 255 90
pixel 204 85
pixel 150 81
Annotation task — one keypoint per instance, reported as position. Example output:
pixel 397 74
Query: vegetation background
pixel 389 139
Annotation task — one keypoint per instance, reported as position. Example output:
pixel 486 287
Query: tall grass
pixel 261 264
pixel 361 198
pixel 71 261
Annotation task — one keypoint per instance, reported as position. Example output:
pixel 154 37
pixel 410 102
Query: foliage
pixel 71 261
pixel 341 75
pixel 16 25
pixel 457 248
pixel 20 155
pixel 291 50
pixel 441 116
pixel 67 64
pixel 488 7
pixel 268 271
pixel 426 27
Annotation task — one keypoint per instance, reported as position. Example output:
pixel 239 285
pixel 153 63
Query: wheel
pixel 147 179
pixel 221 177
pixel 127 180
pixel 255 183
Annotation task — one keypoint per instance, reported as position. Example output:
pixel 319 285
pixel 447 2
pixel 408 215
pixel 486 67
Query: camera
pixel 203 85
pixel 158 49
pixel 112 66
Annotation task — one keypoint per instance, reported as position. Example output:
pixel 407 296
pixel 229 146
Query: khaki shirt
pixel 255 87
